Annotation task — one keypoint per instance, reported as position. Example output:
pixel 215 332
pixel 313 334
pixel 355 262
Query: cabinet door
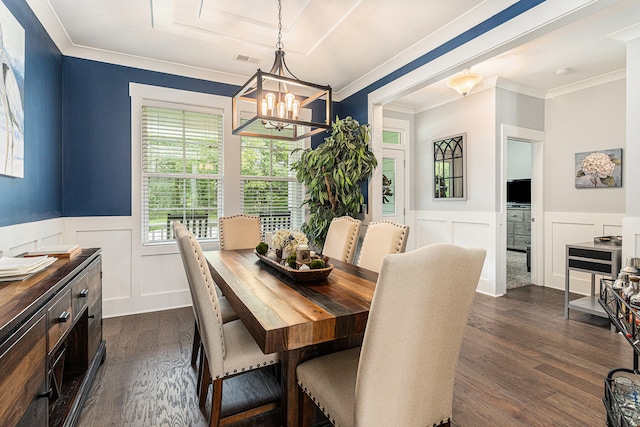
pixel 94 283
pixel 23 380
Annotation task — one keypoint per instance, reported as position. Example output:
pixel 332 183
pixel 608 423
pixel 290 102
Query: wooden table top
pixel 284 315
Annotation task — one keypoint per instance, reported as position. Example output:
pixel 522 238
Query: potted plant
pixel 332 174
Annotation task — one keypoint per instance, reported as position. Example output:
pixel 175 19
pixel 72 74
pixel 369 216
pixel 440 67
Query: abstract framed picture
pixel 599 169
pixel 11 95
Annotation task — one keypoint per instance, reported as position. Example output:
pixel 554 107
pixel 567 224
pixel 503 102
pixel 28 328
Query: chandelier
pixel 278 105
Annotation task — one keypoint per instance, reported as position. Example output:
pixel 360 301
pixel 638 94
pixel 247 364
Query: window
pixel 181 171
pixel 268 187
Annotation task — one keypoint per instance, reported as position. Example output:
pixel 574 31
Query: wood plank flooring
pixel 521 364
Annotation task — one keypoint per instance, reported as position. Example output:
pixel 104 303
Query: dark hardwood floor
pixel 521 364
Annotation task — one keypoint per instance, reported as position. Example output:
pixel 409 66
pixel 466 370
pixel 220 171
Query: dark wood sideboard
pixel 51 342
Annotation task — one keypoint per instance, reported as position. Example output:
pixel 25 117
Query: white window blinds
pixel 181 172
pixel 268 187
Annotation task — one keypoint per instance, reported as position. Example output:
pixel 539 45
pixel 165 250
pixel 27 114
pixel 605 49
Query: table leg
pixel 289 361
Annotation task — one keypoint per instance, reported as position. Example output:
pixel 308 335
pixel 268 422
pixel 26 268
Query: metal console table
pixel 595 259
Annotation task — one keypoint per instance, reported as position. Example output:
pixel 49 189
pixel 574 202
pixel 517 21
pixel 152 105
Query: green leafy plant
pixel 332 174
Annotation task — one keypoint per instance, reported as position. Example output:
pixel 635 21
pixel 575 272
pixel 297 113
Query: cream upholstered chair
pixel 239 232
pixel 382 238
pixel 342 238
pixel 226 311
pixel 410 348
pixel 229 348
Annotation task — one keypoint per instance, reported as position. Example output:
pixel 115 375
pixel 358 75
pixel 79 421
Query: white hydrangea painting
pixel 599 169
pixel 11 95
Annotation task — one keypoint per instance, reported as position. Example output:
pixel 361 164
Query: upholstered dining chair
pixel 342 238
pixel 229 348
pixel 226 311
pixel 239 232
pixel 382 238
pixel 403 374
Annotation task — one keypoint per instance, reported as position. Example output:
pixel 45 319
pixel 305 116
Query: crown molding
pixel 585 84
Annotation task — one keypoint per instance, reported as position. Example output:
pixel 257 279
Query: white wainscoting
pixel 135 279
pixel 20 238
pixel 139 279
pixel 562 228
pixel 476 229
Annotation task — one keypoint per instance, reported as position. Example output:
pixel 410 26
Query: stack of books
pixel 59 251
pixel 22 268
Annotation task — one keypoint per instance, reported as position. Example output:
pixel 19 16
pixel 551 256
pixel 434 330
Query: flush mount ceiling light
pixel 464 82
pixel 278 105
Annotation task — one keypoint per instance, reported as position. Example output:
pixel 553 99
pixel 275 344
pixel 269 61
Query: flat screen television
pixel 519 191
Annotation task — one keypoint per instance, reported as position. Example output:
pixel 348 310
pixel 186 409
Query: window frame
pixel 183 175
pixel 291 180
pixel 232 162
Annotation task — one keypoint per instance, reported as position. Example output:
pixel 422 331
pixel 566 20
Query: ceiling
pixel 347 44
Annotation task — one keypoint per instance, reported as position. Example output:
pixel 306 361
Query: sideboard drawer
pixel 80 294
pixel 60 318
pixel 23 379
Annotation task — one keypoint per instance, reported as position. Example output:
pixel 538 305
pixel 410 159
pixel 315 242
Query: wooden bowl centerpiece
pixel 311 275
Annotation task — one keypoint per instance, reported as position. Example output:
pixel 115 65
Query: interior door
pixel 393 185
pixel 394 144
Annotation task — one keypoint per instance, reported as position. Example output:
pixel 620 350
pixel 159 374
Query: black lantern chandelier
pixel 278 105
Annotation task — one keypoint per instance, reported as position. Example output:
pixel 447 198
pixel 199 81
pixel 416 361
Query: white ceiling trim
pixel 154 65
pixel 585 84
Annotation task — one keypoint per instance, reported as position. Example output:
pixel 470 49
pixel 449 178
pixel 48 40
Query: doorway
pixel 530 151
pixel 518 210
pixel 395 141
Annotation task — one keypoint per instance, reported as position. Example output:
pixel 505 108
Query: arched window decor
pixel 449 168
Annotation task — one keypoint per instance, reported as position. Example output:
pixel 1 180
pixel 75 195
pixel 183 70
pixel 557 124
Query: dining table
pixel 299 320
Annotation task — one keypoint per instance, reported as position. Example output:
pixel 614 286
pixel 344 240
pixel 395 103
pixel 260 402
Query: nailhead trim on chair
pixel 446 422
pixel 333 422
pixel 223 219
pixel 404 232
pixel 354 236
pixel 250 368
pixel 210 288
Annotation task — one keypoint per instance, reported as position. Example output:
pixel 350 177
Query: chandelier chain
pixel 279 45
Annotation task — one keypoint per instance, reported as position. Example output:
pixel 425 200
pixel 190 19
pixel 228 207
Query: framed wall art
pixel 11 95
pixel 599 169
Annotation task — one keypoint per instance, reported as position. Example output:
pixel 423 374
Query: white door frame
pixel 536 138
pixel 403 127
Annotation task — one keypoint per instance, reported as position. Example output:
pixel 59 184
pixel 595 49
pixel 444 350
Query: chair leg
pixel 216 403
pixel 196 344
pixel 205 380
pixel 200 367
pixel 305 409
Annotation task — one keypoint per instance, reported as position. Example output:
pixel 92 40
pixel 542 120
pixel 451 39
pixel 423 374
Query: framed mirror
pixel 449 168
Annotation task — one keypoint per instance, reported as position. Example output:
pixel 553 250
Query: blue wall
pixel 97 132
pixel 38 195
pixel 86 104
